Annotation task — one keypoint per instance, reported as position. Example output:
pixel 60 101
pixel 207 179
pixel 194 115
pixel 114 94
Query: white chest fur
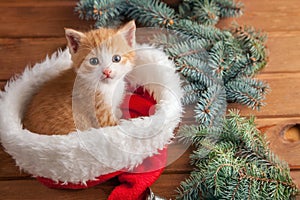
pixel 113 94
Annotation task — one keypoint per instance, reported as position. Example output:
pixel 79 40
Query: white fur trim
pixel 82 156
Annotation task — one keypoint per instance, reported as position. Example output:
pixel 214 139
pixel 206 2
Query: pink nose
pixel 107 72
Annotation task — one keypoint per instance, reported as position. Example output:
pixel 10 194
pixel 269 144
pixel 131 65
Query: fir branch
pixel 252 43
pixel 225 173
pixel 228 8
pixel 248 33
pixel 225 60
pixel 192 30
pixel 104 12
pixel 194 71
pixel 196 133
pixel 151 13
pixel 206 12
pixel 221 59
pixel 185 8
pixel 165 41
pixel 246 91
pixel 182 49
pixel 211 109
pixel 209 12
pixel 192 93
pixel 190 189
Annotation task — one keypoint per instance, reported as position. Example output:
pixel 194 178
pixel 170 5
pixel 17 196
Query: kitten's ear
pixel 73 38
pixel 128 31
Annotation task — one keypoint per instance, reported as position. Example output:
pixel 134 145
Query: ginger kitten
pixel 89 94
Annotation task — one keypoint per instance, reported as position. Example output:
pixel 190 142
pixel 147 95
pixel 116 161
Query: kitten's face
pixel 108 62
pixel 104 55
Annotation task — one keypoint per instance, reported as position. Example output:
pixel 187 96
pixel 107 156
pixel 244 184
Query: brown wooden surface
pixel 30 29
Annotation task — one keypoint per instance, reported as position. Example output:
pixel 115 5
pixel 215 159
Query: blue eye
pixel 116 58
pixel 94 61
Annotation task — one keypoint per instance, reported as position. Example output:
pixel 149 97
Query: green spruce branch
pixel 209 12
pixel 234 162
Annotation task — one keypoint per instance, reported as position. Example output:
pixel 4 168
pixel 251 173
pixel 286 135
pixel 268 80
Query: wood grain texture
pixel 49 18
pixel 31 29
pixel 30 189
pixel 16 54
pixel 39 18
pixel 8 168
pixel 282 99
pixel 33 190
pixel 279 142
pixel 296 177
pixel 275 16
pixel 283 53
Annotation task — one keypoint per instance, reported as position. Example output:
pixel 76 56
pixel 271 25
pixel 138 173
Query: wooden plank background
pixel 31 29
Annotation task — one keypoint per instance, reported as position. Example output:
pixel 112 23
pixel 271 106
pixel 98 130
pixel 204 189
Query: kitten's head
pixel 104 55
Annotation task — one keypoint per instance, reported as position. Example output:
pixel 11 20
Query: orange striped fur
pixel 80 97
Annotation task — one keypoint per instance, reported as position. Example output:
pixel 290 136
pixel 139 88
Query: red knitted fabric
pixel 132 184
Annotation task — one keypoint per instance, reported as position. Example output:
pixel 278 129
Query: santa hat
pixel 133 184
pixel 135 150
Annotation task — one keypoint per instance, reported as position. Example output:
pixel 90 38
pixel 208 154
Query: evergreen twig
pixel 236 165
